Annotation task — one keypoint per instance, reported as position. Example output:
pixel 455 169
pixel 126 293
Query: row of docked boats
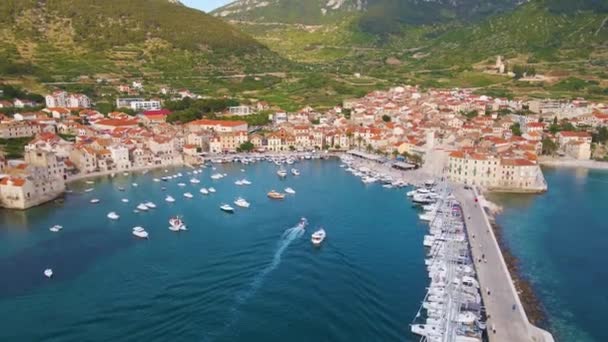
pixel 452 309
pixel 369 176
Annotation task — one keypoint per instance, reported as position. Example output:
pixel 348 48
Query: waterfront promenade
pixel 507 319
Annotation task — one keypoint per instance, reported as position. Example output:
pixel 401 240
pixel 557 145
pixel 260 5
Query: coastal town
pixel 493 143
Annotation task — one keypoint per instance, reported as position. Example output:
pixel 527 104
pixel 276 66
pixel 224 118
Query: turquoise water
pixel 561 240
pixel 241 277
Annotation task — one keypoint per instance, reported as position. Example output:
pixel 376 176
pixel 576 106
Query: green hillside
pixel 61 39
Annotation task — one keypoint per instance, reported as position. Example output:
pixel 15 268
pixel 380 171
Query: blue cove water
pixel 561 241
pixel 240 277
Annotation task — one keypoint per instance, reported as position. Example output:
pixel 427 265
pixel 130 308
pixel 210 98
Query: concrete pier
pixel 507 319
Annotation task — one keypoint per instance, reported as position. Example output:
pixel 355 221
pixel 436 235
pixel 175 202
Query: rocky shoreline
pixel 534 308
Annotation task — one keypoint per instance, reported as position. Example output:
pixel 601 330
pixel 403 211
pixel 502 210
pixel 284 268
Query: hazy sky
pixel 205 5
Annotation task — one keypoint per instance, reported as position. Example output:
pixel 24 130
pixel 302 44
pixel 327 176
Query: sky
pixel 205 5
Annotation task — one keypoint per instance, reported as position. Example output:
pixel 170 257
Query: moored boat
pixel 241 202
pixel 94 200
pixel 275 195
pixel 48 272
pixel 169 199
pixel 290 191
pixel 56 228
pixel 317 237
pixel 113 216
pixel 140 232
pixel 176 224
pixel 188 195
pixel 227 208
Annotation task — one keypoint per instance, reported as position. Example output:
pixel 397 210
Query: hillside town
pixel 473 139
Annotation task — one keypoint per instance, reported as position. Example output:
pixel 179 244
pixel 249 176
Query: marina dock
pixel 507 319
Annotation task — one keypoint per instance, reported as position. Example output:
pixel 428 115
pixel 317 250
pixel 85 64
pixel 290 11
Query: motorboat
pixel 290 191
pixel 241 202
pixel 169 199
pixel 164 179
pixel 89 190
pixel 134 185
pixel 317 237
pixel 94 200
pixel 194 181
pixel 227 208
pixel 181 184
pixel 245 181
pixel 125 200
pixel 140 232
pixel 238 182
pixel 302 224
pixel 176 224
pixel 156 180
pixel 188 195
pixel 48 272
pixel 56 228
pixel 90 182
pixel 211 190
pixel 142 207
pixel 387 186
pixel 204 191
pixel 282 173
pixel 120 188
pixel 150 205
pixel 295 172
pixel 276 195
pixel 125 173
pixel 217 176
pixel 113 216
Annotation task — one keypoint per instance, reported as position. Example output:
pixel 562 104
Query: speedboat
pixel 194 181
pixel 125 200
pixel 204 191
pixel 176 224
pixel 290 191
pixel 303 223
pixel 94 200
pixel 188 195
pixel 318 236
pixel 142 207
pixel 140 232
pixel 238 182
pixel 113 216
pixel 181 184
pixel 276 195
pixel 48 273
pixel 169 199
pixel 227 208
pixel 150 205
pixel 282 173
pixel 89 190
pixel 56 228
pixel 211 190
pixel 245 182
pixel 295 172
pixel 241 202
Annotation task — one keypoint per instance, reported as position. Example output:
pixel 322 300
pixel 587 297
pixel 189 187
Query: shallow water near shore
pixel 240 277
pixel 560 239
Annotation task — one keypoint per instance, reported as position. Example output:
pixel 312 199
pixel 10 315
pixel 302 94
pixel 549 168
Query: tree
pixel 601 136
pixel 516 129
pixel 549 146
pixel 386 118
pixel 247 146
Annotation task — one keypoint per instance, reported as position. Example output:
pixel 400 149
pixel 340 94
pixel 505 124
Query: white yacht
pixel 238 182
pixel 134 185
pixel 211 190
pixel 282 173
pixel 290 191
pixel 140 232
pixel 245 181
pixel 120 188
pixel 227 208
pixel 113 216
pixel 176 224
pixel 188 195
pixel 150 205
pixel 48 273
pixel 318 236
pixel 241 202
pixel 89 190
pixel 169 199
pixel 204 191
pixel 217 176
pixel 90 182
pixel 194 181
pixel 295 172
pixel 142 207
pixel 125 200
pixel 181 184
pixel 156 180
pixel 94 200
pixel 56 228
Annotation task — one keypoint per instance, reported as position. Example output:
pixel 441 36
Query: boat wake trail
pixel 290 235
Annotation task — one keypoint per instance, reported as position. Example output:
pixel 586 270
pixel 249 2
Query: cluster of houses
pixel 435 125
